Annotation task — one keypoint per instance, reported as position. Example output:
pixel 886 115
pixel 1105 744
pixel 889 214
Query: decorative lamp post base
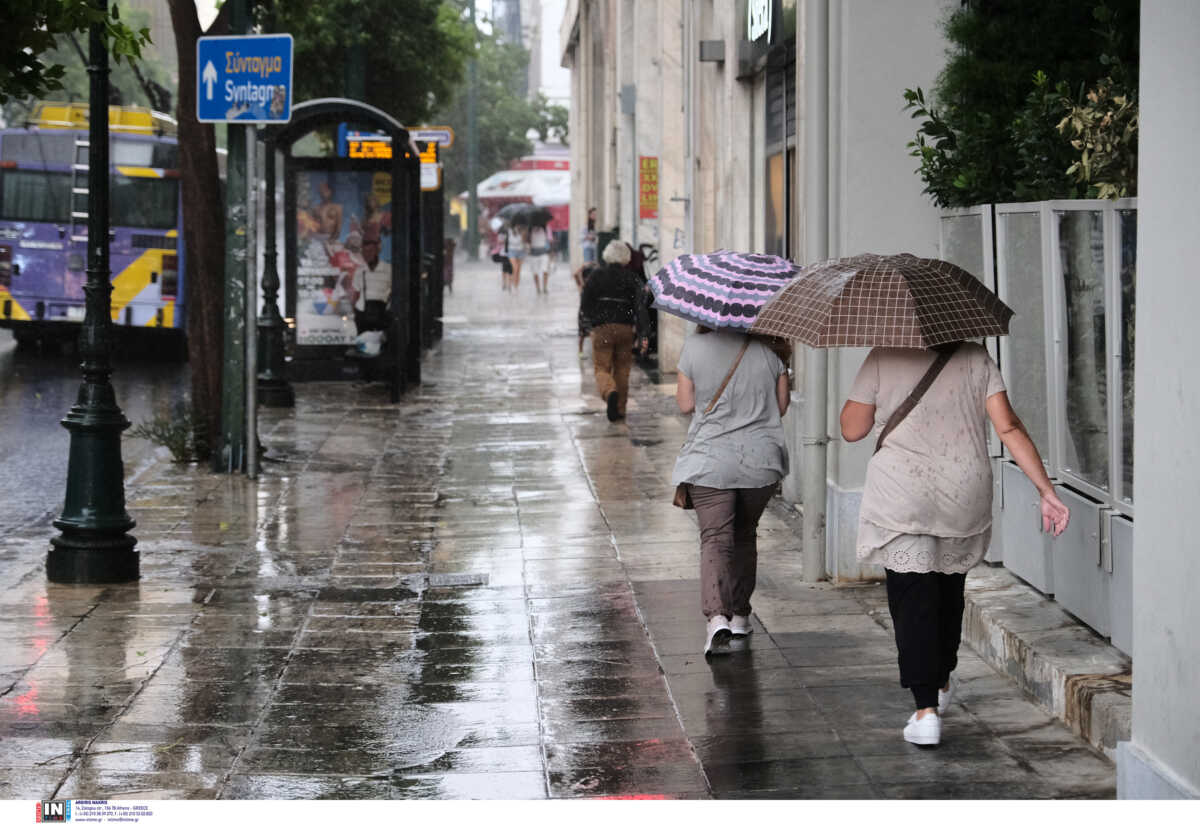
pixel 114 564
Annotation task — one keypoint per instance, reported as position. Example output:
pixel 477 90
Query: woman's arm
pixel 857 420
pixel 685 394
pixel 783 393
pixel 1055 514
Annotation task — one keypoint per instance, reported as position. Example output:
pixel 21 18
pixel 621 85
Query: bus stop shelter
pixel 352 218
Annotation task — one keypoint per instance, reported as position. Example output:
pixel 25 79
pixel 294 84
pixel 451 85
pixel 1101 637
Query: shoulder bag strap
pixel 724 383
pixel 911 401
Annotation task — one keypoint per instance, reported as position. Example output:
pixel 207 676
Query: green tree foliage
pixel 505 116
pixel 143 83
pixel 992 135
pixel 30 31
pixel 415 52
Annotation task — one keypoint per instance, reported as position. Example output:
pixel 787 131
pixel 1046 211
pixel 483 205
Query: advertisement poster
pixel 344 251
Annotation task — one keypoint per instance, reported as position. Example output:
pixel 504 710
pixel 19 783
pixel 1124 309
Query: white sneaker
pixel 718 635
pixel 740 625
pixel 926 731
pixel 945 697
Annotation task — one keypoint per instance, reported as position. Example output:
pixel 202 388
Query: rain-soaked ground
pixel 481 592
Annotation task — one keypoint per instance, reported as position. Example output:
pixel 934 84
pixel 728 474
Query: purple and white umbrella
pixel 721 290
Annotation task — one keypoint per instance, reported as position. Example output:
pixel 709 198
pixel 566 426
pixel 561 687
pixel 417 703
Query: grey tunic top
pixel 739 444
pixel 927 501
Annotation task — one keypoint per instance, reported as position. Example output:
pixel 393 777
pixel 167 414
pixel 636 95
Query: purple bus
pixel 43 235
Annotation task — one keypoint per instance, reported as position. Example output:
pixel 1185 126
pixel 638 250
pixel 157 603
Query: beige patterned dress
pixel 927 500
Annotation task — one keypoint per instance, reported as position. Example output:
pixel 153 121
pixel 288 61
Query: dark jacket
pixel 613 294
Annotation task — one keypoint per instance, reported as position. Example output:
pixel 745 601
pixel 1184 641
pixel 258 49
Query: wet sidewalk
pixel 480 592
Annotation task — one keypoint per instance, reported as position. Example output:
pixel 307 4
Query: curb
pixel 1064 666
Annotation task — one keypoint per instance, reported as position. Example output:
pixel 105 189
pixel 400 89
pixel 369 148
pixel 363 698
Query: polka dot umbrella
pixel 721 290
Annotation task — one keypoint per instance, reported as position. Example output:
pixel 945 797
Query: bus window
pixel 42 196
pixel 144 202
pixel 38 148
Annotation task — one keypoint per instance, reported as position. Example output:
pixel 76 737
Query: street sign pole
pixel 472 147
pixel 251 317
pixel 231 456
pixel 94 546
pixel 241 80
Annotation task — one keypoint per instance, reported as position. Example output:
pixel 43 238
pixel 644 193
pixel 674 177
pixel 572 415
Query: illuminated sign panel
pixel 372 149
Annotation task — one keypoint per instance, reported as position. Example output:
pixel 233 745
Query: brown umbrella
pixel 883 300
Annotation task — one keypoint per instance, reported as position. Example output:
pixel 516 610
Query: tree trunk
pixel 203 233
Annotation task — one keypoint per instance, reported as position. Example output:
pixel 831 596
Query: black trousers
pixel 927 610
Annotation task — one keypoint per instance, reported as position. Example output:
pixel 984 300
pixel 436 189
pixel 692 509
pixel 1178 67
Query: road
pixel 36 391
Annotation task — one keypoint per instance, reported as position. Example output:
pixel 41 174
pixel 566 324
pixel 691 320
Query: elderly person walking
pixel 736 388
pixel 612 307
pixel 926 512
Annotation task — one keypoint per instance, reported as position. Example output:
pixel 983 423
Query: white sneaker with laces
pixel 926 731
pixel 718 635
pixel 946 696
pixel 740 625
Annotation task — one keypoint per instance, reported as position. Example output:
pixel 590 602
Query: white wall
pixel 877 48
pixel 1164 759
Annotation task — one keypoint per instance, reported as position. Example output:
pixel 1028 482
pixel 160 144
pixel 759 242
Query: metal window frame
pixel 986 216
pixel 1003 289
pixel 1058 404
pixel 1121 499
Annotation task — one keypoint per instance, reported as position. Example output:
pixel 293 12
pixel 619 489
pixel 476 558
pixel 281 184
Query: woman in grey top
pixel 733 458
pixel 926 513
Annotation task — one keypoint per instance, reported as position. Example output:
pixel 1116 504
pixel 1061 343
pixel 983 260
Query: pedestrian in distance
pixel 736 389
pixel 539 258
pixel 499 252
pixel 518 246
pixel 611 306
pixel 926 512
pixel 588 238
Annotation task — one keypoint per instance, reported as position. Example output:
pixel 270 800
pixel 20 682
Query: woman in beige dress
pixel 926 512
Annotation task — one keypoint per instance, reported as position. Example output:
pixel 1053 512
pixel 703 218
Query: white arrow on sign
pixel 209 78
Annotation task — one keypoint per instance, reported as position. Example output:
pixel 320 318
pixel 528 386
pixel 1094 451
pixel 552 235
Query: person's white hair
pixel 618 252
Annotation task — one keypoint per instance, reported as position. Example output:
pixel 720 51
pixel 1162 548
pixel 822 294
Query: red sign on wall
pixel 648 188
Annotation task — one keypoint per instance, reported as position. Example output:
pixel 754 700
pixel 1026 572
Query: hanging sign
pixel 246 79
pixel 431 169
pixel 648 188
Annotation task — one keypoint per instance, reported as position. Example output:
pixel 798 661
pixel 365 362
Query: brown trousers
pixel 612 358
pixel 728 546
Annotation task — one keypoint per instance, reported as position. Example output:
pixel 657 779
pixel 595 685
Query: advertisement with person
pixel 344 250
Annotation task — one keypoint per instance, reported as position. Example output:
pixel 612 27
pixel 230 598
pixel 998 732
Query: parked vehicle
pixel 43 227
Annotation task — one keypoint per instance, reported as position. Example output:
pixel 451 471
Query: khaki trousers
pixel 612 358
pixel 728 546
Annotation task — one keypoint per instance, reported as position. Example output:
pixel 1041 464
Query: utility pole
pixel 94 546
pixel 473 144
pixel 231 454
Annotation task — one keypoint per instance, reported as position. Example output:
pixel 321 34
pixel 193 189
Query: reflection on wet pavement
pixel 480 592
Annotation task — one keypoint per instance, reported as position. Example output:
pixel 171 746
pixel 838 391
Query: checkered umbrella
pixel 721 290
pixel 883 300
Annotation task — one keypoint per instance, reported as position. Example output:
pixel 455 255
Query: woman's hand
pixel 1055 514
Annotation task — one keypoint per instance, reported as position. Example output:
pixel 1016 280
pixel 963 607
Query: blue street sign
pixel 245 79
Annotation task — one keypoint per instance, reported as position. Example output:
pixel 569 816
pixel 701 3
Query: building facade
pixel 779 126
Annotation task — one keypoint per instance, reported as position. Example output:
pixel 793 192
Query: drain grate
pixel 456 579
